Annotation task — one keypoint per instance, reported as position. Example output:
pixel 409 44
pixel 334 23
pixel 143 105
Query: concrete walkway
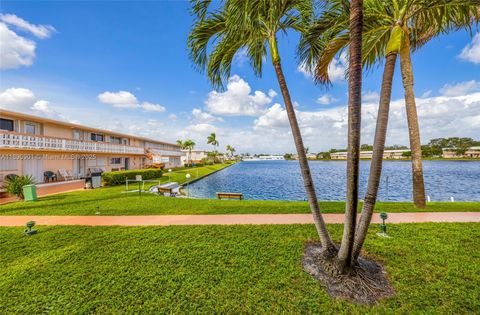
pixel 229 219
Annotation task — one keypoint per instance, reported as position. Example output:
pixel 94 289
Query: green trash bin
pixel 30 192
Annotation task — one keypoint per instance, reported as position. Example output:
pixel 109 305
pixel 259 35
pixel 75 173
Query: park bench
pixel 169 189
pixel 229 195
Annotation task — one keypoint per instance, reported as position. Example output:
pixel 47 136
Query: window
pixel 116 160
pixel 77 135
pixel 6 124
pixel 116 140
pixel 31 128
pixel 96 137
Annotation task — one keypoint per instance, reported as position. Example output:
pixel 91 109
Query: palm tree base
pixel 365 283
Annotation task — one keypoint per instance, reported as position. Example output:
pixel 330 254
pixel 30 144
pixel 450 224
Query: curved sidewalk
pixel 229 219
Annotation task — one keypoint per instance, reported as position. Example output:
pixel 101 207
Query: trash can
pixel 30 192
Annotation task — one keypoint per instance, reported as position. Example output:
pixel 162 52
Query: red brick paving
pixel 229 219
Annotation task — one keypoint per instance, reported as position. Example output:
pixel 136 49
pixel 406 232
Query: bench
pixel 228 195
pixel 168 189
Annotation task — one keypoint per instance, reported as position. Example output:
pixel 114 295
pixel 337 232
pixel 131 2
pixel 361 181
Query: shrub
pixel 119 177
pixel 14 184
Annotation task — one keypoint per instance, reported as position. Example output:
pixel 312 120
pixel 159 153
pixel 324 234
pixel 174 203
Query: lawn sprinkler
pixel 28 231
pixel 383 226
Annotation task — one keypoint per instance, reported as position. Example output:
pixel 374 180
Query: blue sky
pixel 125 66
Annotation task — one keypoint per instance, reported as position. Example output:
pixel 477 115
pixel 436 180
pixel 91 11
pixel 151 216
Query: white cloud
pixel 303 69
pixel 125 99
pixel 461 88
pixel 19 98
pixel 172 117
pixel 370 96
pixel 121 99
pixel 24 100
pixel 204 117
pixel 272 93
pixel 237 100
pixel 426 94
pixel 149 107
pixel 274 117
pixel 326 99
pixel 443 116
pixel 471 52
pixel 336 69
pixel 16 51
pixel 43 107
pixel 40 31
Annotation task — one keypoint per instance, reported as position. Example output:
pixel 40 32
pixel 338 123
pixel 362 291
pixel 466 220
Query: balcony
pixel 36 142
pixel 166 152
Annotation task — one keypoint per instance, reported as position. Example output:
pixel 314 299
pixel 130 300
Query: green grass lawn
pixel 113 201
pixel 226 269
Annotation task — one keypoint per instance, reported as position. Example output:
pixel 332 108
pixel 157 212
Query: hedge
pixel 119 177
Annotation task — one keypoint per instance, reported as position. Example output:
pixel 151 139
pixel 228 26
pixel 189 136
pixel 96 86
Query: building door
pixel 79 167
pixel 127 163
pixel 34 168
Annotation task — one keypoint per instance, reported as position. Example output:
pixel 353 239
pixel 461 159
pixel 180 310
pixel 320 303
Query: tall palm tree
pixel 345 257
pixel 386 22
pixel 230 149
pixel 189 145
pixel 253 25
pixel 212 139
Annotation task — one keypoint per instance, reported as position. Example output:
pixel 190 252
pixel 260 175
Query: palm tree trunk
pixel 354 128
pixel 377 157
pixel 413 129
pixel 320 225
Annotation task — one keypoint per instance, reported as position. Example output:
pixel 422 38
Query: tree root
pixel 366 283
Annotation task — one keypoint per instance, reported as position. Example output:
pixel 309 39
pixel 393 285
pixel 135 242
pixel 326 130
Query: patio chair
pixel 71 174
pixel 65 175
pixel 49 176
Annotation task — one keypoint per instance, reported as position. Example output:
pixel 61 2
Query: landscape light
pixel 28 231
pixel 383 226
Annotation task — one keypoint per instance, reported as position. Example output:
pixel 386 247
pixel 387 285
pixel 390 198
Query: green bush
pixel 119 177
pixel 14 185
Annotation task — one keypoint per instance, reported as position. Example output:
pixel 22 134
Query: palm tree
pixel 253 25
pixel 345 257
pixel 405 25
pixel 384 40
pixel 230 149
pixel 212 139
pixel 189 145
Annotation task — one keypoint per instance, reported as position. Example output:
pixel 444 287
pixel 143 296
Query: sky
pixel 125 66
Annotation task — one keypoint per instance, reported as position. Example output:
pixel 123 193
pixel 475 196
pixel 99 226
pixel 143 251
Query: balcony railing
pixel 166 152
pixel 23 141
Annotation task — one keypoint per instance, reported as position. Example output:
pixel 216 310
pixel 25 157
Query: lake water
pixel 281 180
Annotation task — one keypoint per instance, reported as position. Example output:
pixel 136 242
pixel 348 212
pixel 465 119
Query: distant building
pixel 387 154
pixel 196 156
pixel 311 156
pixel 264 158
pixel 451 153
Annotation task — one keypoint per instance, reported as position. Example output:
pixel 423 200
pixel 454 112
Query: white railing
pixel 167 152
pixel 22 141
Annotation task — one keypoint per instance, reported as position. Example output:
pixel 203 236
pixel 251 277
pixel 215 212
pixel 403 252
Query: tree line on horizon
pixel 372 32
pixel 434 148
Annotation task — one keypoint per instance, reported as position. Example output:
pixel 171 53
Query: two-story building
pixel 451 153
pixel 32 145
pixel 387 154
pixel 194 156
